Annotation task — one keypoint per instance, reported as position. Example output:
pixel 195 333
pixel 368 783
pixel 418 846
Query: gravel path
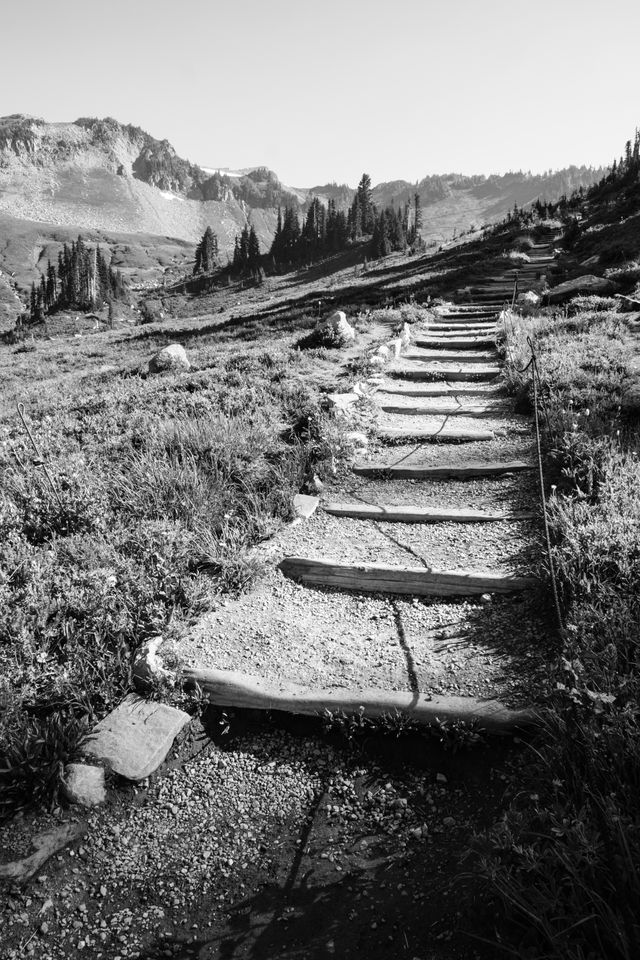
pixel 321 637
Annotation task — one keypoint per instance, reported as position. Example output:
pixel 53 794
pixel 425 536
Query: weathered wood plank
pixel 416 581
pixel 452 356
pixel 452 374
pixel 450 410
pixel 435 390
pixel 460 471
pixel 436 434
pixel 453 342
pixel 393 513
pixel 227 688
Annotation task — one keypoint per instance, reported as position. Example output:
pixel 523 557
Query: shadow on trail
pixel 369 896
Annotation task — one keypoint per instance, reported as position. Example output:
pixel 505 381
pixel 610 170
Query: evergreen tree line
pixel 330 230
pixel 82 280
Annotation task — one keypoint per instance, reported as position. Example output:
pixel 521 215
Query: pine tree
pixel 206 253
pixel 253 249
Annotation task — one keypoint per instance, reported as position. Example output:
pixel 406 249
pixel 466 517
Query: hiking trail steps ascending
pixel 434 529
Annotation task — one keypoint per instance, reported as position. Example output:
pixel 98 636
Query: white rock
pixel 357 439
pixel 338 328
pixel 317 483
pixel 173 357
pixel 84 784
pixel 530 298
pixel 405 335
pixel 148 666
pixel 396 347
pixel 383 352
pixel 304 505
pixel 377 361
pixel 486 598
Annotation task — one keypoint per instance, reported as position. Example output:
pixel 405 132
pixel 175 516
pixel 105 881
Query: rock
pixel 383 352
pixel 486 598
pixel 405 334
pixel 357 439
pixel 342 402
pixel 84 784
pixel 591 261
pixel 377 361
pixel 530 298
pixel 148 666
pixel 316 483
pixel 586 284
pixel 336 330
pixel 173 357
pixel 134 739
pixel 396 347
pixel 304 505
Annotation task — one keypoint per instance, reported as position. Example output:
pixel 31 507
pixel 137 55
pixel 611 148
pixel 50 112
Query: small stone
pixel 305 506
pixel 486 598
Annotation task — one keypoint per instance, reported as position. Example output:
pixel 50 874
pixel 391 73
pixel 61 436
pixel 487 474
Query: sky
pixel 323 91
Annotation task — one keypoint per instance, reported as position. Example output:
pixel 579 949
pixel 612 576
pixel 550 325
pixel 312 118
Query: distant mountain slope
pixel 115 182
pixel 99 174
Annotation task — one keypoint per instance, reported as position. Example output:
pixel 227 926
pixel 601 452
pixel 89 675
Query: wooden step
pixel 450 410
pixel 415 581
pixel 452 356
pixel 448 343
pixel 452 374
pixel 228 688
pixel 462 330
pixel 454 471
pixel 410 514
pixel 441 434
pixel 461 391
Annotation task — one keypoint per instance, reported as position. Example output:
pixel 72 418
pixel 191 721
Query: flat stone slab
pixel 134 739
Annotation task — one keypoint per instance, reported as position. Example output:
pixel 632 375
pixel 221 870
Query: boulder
pixel 84 784
pixel 571 288
pixel 336 330
pixel 173 357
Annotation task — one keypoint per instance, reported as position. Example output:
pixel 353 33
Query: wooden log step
pixel 449 343
pixel 461 330
pixel 447 410
pixel 229 688
pixel 441 434
pixel 448 373
pixel 416 581
pixel 435 390
pixel 455 471
pixel 411 514
pixel 452 356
